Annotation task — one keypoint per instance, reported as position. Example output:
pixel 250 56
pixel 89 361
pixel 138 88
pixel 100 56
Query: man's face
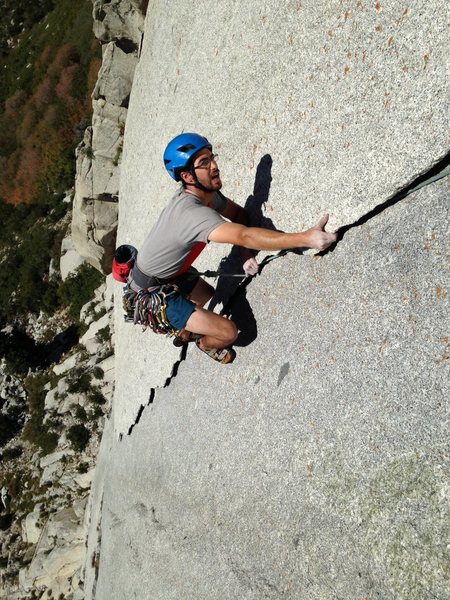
pixel 206 170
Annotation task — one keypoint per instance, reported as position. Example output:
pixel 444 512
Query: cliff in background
pixel 316 466
pixel 118 25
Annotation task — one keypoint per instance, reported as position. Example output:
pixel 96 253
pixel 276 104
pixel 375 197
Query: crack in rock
pixel 168 381
pixel 438 171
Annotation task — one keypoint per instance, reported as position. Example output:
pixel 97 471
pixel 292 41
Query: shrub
pixel 96 397
pixel 36 431
pixel 24 278
pixel 12 453
pixel 40 435
pixel 80 382
pixel 78 435
pixel 103 335
pixel 78 288
pixel 98 372
pixel 80 414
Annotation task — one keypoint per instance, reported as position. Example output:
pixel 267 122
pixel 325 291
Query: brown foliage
pixel 64 86
pixel 44 57
pixel 25 128
pixel 94 68
pixel 8 171
pixel 41 128
pixel 66 55
pixel 49 118
pixel 26 176
pixel 15 102
pixel 43 94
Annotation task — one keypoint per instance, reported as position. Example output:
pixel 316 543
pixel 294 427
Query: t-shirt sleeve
pixel 200 222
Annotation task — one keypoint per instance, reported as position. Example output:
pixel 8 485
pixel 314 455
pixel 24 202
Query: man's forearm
pixel 257 238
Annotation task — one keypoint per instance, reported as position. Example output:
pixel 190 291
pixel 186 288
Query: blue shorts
pixel 179 308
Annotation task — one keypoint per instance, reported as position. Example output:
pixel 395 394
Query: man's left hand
pixel 250 267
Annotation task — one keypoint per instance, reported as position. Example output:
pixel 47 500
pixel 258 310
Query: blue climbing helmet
pixel 180 150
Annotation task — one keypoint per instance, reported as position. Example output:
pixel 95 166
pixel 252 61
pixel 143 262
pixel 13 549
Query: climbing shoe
pixel 224 356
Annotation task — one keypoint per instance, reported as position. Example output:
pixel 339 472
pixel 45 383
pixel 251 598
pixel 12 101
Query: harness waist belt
pixel 145 281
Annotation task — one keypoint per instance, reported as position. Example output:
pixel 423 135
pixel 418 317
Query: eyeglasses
pixel 205 162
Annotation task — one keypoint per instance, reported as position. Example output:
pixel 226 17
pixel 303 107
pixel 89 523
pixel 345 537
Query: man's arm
pixel 256 238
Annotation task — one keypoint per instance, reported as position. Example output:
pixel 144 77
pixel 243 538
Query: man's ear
pixel 187 177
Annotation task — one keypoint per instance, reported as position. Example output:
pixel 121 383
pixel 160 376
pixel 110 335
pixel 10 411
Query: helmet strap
pixel 197 183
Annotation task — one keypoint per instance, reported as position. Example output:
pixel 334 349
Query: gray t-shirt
pixel 179 235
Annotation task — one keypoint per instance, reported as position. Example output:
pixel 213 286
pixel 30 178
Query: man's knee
pixel 230 331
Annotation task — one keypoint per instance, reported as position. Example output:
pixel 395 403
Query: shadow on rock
pixel 254 205
pixel 239 311
pixel 231 291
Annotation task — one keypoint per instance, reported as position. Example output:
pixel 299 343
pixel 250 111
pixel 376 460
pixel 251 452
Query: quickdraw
pixel 148 308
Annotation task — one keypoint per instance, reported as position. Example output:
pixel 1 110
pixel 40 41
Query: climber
pixel 198 214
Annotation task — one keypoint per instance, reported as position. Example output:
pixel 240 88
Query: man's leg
pixel 217 332
pixel 200 295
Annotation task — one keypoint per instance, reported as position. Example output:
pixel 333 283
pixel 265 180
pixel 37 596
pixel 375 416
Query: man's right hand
pixel 318 238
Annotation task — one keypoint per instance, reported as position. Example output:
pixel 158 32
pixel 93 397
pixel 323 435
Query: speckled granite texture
pixel 316 466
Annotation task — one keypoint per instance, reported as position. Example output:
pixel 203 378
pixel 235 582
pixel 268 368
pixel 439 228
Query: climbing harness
pixel 148 308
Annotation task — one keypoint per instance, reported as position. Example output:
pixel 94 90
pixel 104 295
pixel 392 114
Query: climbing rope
pixel 262 264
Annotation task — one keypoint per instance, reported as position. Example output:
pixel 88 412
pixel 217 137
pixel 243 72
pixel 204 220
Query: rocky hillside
pixel 52 414
pixel 46 473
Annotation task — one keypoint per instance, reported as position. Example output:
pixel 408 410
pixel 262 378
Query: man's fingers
pixel 323 221
pixel 250 267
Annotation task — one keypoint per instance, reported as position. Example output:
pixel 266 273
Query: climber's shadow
pixel 231 291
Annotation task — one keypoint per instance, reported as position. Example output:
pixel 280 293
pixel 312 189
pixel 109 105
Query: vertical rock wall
pixel 118 26
pixel 316 466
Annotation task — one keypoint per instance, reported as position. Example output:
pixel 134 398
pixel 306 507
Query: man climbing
pixel 198 214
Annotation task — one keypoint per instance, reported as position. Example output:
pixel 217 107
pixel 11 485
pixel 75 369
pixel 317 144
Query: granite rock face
pixel 349 100
pixel 59 552
pixel 296 135
pixel 315 466
pixel 70 259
